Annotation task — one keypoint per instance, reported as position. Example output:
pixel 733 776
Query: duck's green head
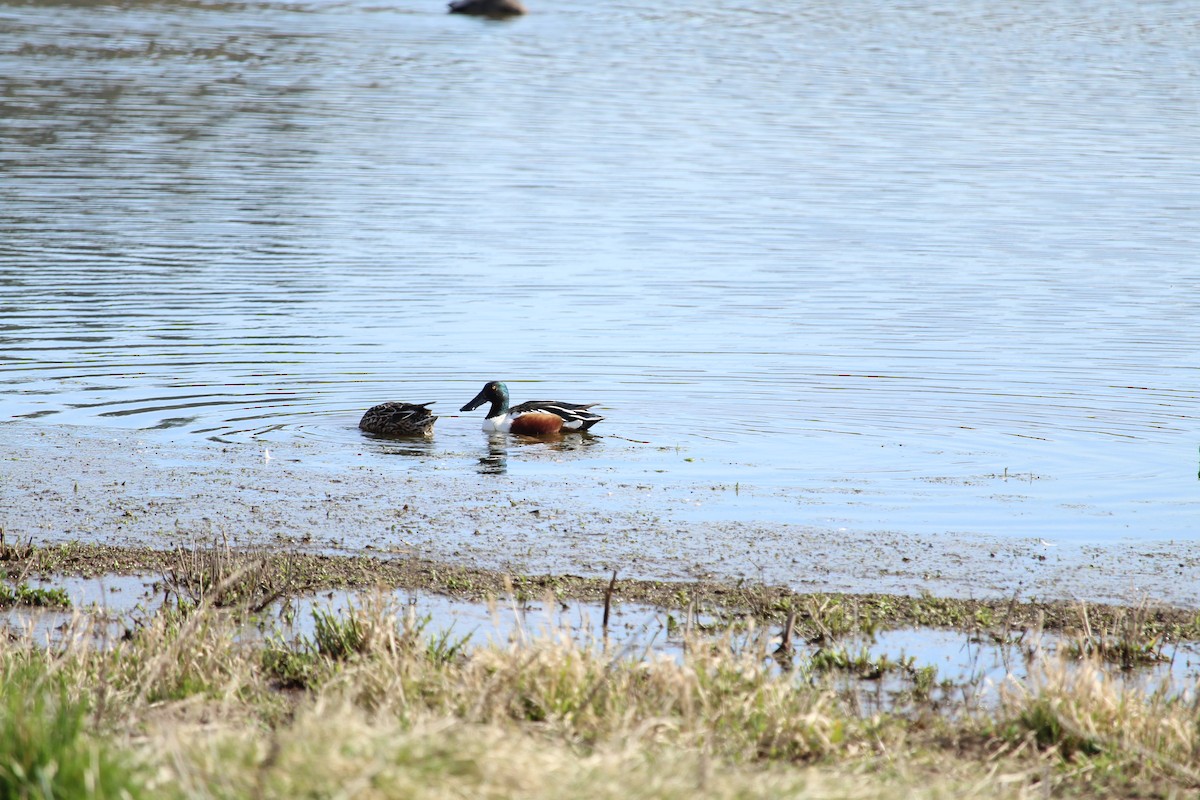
pixel 494 392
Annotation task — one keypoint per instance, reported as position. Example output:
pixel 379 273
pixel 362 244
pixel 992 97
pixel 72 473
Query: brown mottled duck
pixel 398 419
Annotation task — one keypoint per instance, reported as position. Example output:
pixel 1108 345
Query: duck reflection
pixel 496 460
pixel 409 447
pixel 499 444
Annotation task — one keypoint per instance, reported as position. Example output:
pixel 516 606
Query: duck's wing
pixel 576 416
pixel 418 411
pixel 401 411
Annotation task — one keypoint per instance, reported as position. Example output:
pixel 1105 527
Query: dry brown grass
pixel 376 706
pixel 1084 709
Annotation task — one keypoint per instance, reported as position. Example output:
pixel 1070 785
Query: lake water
pixel 913 266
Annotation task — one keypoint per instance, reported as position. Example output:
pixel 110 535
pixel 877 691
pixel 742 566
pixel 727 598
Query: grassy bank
pixel 187 703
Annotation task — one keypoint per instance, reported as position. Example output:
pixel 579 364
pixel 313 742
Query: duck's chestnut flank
pixel 536 424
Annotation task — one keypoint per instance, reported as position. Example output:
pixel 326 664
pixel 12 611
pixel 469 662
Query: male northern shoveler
pixel 496 9
pixel 398 419
pixel 534 418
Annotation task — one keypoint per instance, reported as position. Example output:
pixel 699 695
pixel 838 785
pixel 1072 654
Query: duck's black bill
pixel 479 400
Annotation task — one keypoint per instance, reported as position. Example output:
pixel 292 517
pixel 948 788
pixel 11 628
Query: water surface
pixel 913 267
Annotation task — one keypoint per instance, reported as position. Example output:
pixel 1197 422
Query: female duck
pixel 534 418
pixel 399 419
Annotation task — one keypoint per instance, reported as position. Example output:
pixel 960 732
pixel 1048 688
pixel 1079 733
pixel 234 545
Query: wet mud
pixel 90 501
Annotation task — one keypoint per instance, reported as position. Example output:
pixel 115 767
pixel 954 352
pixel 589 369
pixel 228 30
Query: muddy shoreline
pixel 125 500
pixel 275 574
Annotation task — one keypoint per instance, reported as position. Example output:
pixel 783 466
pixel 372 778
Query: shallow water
pixel 914 267
pixel 970 669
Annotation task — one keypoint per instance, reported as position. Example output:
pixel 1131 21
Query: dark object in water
pixel 496 9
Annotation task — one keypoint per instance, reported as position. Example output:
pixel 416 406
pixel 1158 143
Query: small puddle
pixel 632 627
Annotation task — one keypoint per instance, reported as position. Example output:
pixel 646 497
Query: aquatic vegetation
pixel 216 574
pixel 1133 638
pixel 861 664
pixel 25 595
